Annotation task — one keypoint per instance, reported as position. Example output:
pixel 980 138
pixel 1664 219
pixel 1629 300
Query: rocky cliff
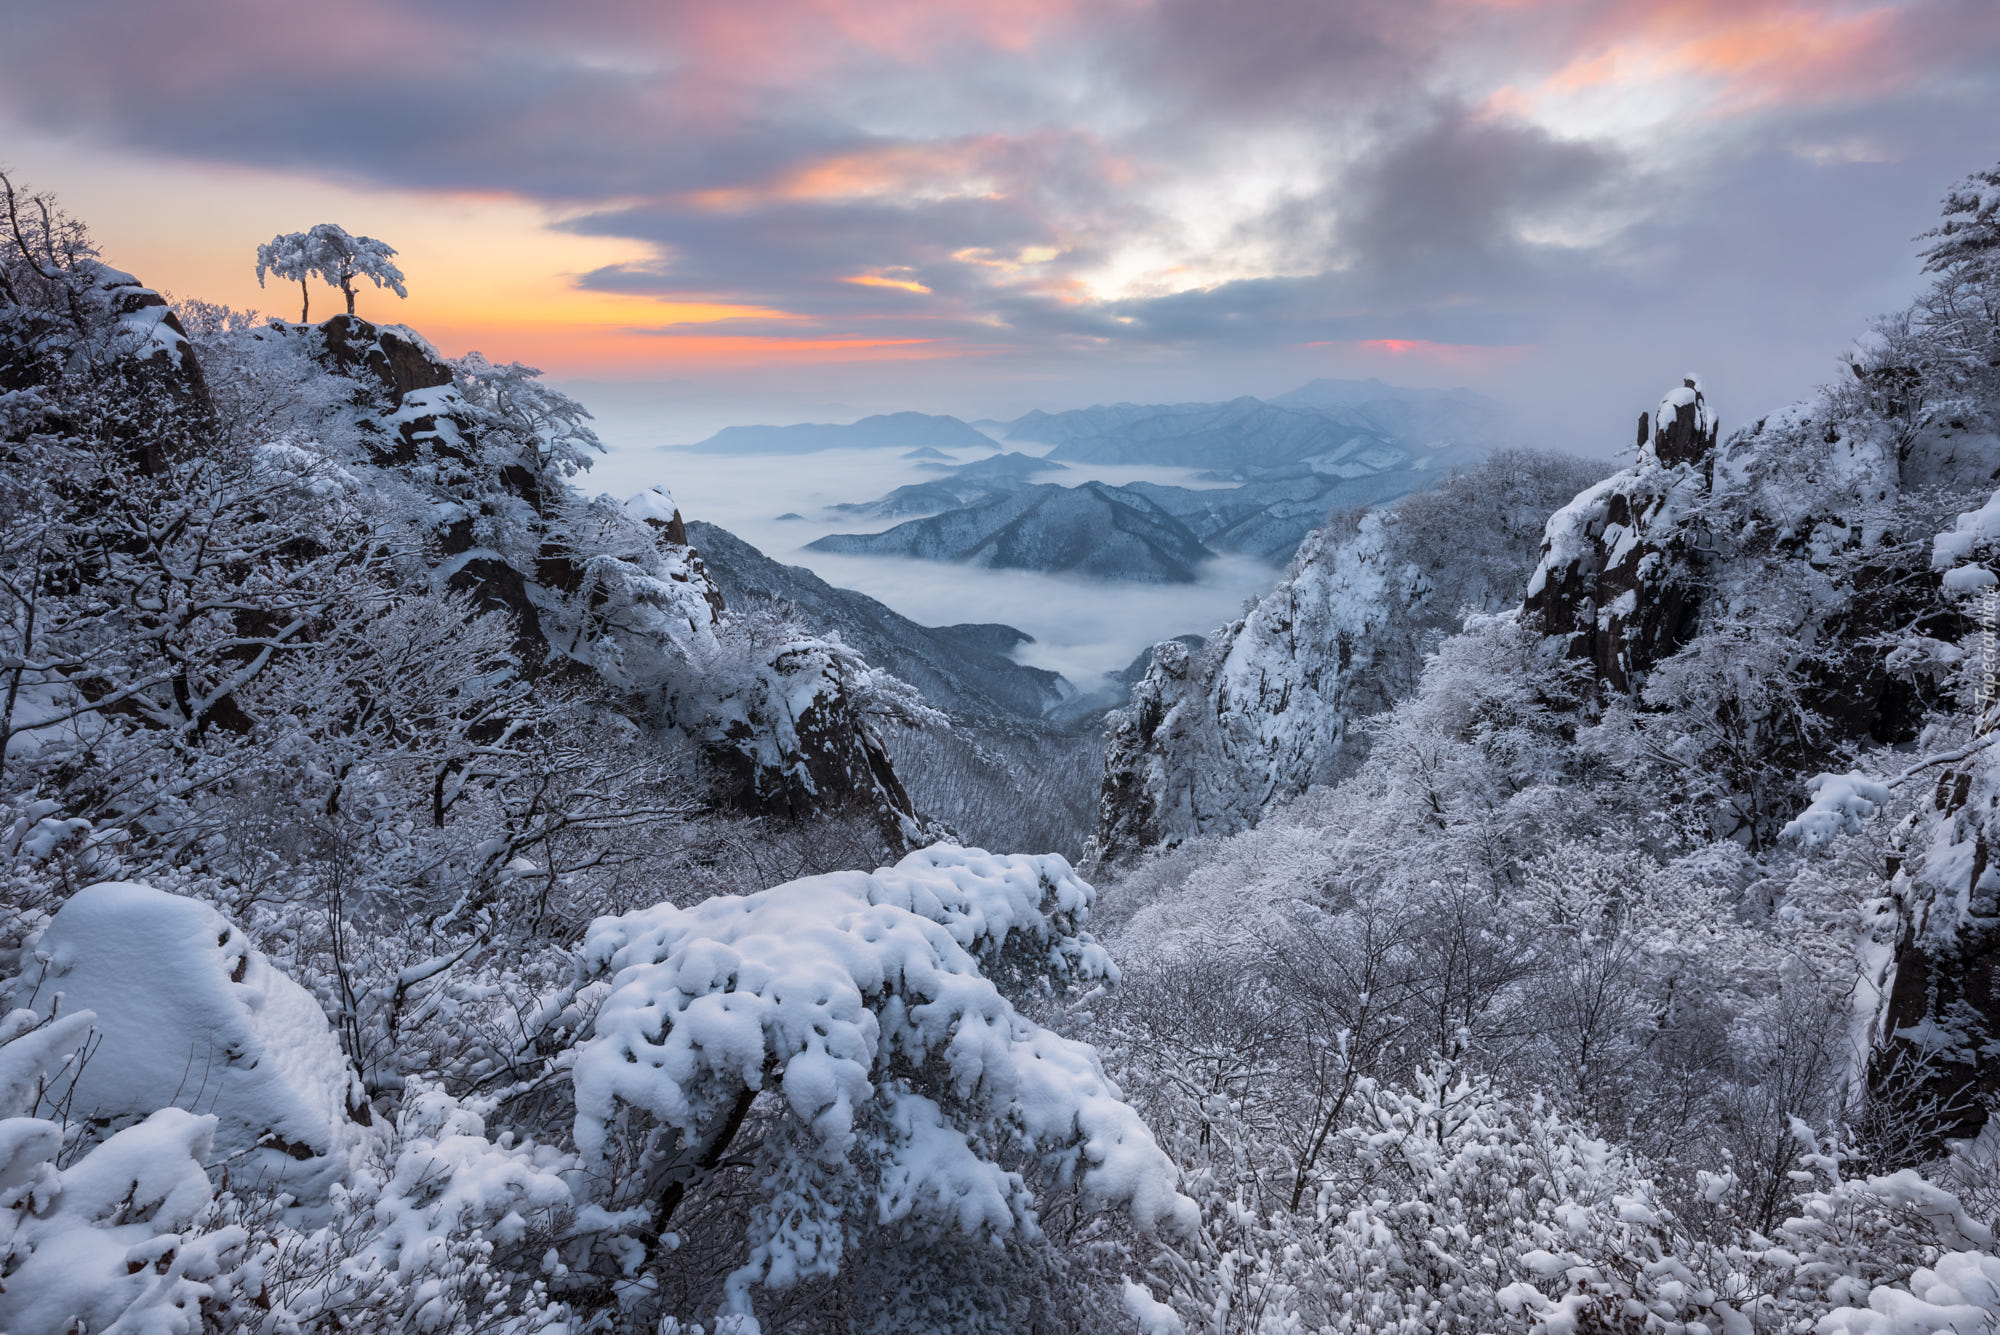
pixel 1274 702
pixel 1615 578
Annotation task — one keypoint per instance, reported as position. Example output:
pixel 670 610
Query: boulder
pixel 189 1015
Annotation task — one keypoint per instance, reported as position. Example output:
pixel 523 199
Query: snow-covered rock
pixel 1614 578
pixel 188 1014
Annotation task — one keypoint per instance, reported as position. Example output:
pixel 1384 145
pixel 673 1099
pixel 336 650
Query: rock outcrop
pixel 1615 577
pixel 134 339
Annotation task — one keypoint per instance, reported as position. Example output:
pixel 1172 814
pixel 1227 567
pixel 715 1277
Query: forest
pixel 1560 905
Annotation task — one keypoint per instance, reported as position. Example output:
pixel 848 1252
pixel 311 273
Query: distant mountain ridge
pixel 1093 529
pixel 1333 423
pixel 903 431
pixel 1267 517
pixel 1329 445
pixel 962 485
pixel 1340 426
pixel 1432 417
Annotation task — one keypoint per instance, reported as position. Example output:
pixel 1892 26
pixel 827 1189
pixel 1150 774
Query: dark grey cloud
pixel 1456 193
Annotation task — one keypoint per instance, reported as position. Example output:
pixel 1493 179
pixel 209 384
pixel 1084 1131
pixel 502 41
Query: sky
pixel 704 212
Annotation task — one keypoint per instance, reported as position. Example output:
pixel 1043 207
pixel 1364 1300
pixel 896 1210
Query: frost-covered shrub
pixel 118 1236
pixel 902 1082
pixel 116 1240
pixel 450 1232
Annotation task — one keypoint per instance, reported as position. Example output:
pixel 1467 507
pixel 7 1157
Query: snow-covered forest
pixel 1560 905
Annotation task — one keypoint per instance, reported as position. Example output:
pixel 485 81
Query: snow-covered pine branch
pixel 902 1081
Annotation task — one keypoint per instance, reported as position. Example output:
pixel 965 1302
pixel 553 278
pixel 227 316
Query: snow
pixel 1841 802
pixel 141 312
pixel 329 252
pixel 1686 394
pixel 49 834
pixel 1974 529
pixel 449 1178
pixel 99 1246
pixel 1959 1294
pixel 429 401
pixel 1567 537
pixel 188 1014
pixel 837 992
pixel 653 503
pixel 1154 1317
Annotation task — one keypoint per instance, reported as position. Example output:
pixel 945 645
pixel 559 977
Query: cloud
pixel 1048 182
pixel 1466 190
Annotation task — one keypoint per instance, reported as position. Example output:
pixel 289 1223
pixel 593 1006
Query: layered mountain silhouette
pixel 1094 529
pixel 902 431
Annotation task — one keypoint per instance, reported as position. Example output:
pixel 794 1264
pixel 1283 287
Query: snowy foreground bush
pixel 843 1038
pixel 847 1046
pixel 867 1004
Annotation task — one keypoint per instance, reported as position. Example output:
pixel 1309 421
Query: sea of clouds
pixel 1083 628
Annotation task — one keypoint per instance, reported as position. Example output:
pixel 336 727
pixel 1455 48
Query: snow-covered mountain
pixel 1266 517
pixel 1340 445
pixel 1399 429
pixel 961 485
pixel 1269 515
pixel 1275 702
pixel 1092 529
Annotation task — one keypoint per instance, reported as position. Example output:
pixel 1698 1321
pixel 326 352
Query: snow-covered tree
pixel 903 1090
pixel 329 252
pixel 1967 242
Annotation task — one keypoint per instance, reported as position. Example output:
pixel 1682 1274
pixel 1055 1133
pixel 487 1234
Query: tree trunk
pixel 347 286
pixel 34 587
pixel 305 302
